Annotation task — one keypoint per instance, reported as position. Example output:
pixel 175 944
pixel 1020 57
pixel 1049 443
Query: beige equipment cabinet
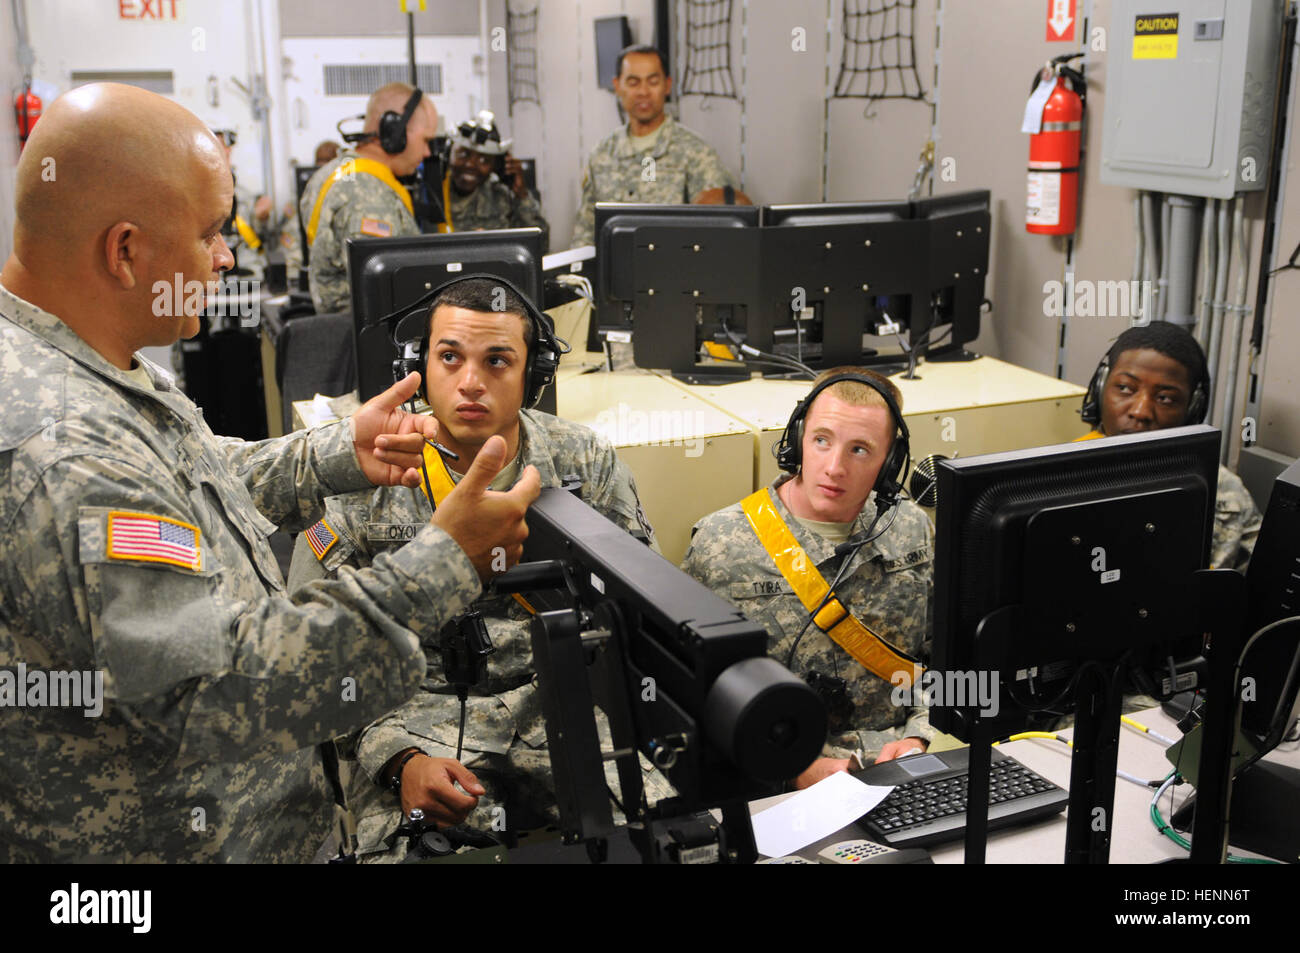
pixel 966 409
pixel 688 457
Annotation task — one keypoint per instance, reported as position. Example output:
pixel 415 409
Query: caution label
pixel 1155 36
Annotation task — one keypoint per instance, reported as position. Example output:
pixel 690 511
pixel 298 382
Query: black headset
pixel 1197 406
pixel 392 127
pixel 789 450
pixel 543 354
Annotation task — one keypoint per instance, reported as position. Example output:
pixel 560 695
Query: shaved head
pixel 389 98
pixel 97 157
pixel 117 187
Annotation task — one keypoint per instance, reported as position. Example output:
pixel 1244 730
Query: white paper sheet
pixel 814 813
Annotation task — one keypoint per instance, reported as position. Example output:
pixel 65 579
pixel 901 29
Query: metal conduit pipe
pixel 1137 312
pixel 1149 268
pixel 1166 226
pixel 1220 293
pixel 1208 259
pixel 1181 241
pixel 1238 318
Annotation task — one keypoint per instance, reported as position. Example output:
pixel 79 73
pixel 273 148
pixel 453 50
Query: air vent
pixel 362 80
pixel 156 81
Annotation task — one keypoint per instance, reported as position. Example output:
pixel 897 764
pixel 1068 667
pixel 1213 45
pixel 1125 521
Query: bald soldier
pixel 359 195
pixel 166 689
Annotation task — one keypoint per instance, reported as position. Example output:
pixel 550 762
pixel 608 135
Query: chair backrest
pixel 314 355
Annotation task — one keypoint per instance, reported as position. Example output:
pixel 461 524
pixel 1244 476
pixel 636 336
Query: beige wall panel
pixel 874 145
pixel 990 51
pixel 717 119
pixel 784 103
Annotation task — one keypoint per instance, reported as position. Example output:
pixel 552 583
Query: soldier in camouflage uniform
pixel 476 199
pixel 1153 375
pixel 653 159
pixel 290 238
pixel 505 735
pixel 362 196
pixel 888 585
pixel 133 542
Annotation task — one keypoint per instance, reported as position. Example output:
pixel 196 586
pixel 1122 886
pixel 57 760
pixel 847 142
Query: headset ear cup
pixel 1090 411
pixel 1199 404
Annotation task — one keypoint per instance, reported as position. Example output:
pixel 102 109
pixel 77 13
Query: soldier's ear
pixel 121 253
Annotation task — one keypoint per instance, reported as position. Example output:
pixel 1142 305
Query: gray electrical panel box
pixel 1190 89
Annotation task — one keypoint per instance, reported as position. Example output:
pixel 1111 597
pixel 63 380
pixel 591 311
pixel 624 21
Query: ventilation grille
pixel 362 80
pixel 156 81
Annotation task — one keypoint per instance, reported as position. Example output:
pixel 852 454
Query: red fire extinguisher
pixel 27 109
pixel 1052 206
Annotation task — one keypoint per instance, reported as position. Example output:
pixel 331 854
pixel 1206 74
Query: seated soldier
pixel 843 450
pixel 1155 376
pixel 485 368
pixel 474 197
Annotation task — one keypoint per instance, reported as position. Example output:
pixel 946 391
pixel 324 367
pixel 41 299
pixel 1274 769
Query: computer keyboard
pixel 928 805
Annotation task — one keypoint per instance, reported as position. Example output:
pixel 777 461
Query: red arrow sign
pixel 1060 21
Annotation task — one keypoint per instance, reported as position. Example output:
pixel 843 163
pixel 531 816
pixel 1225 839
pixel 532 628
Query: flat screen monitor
pixel 958 263
pixel 1085 551
pixel 621 246
pixel 613 35
pixel 388 275
pixel 836 213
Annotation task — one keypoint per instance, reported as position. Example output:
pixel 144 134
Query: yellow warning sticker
pixel 1155 36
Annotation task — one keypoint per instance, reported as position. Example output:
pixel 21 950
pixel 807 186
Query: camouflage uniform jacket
pixel 216 682
pixel 1236 523
pixel 889 587
pixel 494 205
pixel 680 167
pixel 358 206
pixel 505 734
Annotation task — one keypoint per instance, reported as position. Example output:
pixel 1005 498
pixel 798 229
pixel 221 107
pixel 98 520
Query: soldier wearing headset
pixel 484 187
pixel 1155 376
pixel 488 354
pixel 359 192
pixel 836 567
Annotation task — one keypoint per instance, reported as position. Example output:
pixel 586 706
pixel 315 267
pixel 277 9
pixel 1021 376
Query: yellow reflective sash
pixel 246 233
pixel 441 483
pixel 445 225
pixel 349 168
pixel 871 651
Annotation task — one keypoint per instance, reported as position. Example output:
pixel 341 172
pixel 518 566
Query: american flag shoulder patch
pixel 373 226
pixel 159 539
pixel 320 538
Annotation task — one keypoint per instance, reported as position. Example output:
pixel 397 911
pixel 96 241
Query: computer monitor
pixel 1068 554
pixel 1264 794
pixel 958 261
pixel 388 275
pixel 836 271
pixel 836 213
pixel 674 275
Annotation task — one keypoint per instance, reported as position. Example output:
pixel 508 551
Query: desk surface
pixel 1134 839
pixel 941 387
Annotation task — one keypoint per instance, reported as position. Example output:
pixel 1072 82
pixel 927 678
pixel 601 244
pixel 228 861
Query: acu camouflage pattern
pixel 889 588
pixel 348 202
pixel 505 732
pixel 494 205
pixel 683 166
pixel 1236 523
pixel 217 683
